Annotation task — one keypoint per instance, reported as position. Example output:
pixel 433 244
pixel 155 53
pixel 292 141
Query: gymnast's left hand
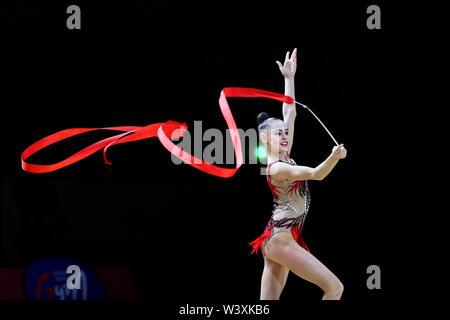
pixel 290 65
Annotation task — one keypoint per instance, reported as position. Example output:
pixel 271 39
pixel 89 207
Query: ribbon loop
pixel 163 130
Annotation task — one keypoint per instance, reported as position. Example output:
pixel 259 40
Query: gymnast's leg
pixel 273 279
pixel 284 250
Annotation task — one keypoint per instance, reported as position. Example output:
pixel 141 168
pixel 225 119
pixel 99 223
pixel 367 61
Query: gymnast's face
pixel 276 136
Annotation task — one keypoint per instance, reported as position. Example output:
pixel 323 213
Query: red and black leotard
pixel 291 204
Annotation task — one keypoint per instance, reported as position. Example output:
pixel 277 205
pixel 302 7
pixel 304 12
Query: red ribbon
pixel 163 130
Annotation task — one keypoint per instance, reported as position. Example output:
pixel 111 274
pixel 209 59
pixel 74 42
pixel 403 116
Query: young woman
pixel 280 241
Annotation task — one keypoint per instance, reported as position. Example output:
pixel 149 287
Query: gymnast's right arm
pixel 281 170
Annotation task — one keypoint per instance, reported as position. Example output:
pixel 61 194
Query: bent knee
pixel 335 286
pixel 340 287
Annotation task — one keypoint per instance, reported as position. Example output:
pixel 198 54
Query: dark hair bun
pixel 263 116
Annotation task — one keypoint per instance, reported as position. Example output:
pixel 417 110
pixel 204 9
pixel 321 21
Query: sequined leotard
pixel 291 204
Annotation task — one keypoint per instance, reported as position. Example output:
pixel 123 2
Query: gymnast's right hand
pixel 339 152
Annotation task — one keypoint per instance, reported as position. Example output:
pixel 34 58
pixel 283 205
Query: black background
pixel 184 233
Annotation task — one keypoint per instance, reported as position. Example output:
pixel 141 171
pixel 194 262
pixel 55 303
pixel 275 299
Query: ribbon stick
pixel 306 107
pixel 163 131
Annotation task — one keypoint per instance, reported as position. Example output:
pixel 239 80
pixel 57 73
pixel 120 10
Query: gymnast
pixel 281 243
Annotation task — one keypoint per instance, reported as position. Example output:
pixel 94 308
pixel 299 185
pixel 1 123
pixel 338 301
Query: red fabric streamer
pixel 163 131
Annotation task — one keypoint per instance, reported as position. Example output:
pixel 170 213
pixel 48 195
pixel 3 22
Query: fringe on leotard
pixel 296 234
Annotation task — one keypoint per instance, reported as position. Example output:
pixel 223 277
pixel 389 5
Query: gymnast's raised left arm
pixel 289 110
